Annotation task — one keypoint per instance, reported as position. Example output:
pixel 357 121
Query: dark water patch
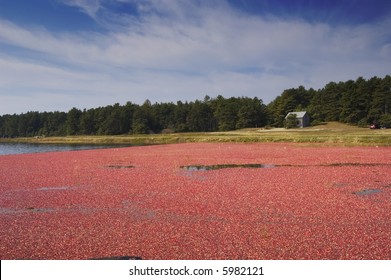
pixel 355 164
pixel 223 166
pixel 119 166
pixel 31 209
pixel 256 165
pixel 118 258
pixel 367 192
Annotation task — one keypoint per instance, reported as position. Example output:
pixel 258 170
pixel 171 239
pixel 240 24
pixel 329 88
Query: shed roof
pixel 298 114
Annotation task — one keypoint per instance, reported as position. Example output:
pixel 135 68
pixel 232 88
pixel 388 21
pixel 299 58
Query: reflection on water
pixel 23 148
pixel 223 166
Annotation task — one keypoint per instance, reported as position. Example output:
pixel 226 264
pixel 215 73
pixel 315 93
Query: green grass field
pixel 332 133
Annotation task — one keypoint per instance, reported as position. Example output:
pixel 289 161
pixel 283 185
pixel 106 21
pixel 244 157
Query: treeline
pixel 360 102
pixel 217 114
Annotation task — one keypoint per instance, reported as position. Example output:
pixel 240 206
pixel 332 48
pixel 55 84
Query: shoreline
pixel 335 136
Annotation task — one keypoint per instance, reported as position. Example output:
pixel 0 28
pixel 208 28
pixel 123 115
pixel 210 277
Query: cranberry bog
pixel 198 201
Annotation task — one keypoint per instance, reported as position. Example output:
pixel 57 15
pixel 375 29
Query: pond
pixel 24 148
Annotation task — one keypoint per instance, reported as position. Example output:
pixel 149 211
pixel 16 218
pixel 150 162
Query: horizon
pixel 56 55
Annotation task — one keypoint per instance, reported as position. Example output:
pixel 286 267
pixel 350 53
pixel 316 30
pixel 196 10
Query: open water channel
pixel 23 148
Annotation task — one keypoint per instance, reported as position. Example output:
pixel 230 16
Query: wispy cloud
pixel 89 7
pixel 181 50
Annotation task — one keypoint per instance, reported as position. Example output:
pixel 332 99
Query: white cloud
pixel 177 51
pixel 89 7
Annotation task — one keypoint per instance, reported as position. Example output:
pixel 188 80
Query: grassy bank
pixel 331 133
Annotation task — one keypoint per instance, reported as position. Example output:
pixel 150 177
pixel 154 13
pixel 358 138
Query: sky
pixel 59 54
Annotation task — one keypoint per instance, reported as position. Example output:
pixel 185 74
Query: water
pixel 222 166
pixel 367 192
pixel 23 148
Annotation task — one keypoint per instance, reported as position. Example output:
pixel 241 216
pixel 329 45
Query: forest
pixel 360 102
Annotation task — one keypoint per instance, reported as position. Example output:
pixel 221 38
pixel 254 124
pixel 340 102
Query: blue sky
pixel 59 54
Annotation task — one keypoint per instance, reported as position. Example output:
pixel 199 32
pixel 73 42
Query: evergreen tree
pixel 252 113
pixel 180 116
pixel 141 120
pixel 290 100
pixel 291 121
pixel 226 113
pixel 87 122
pixel 200 117
pixel 73 121
pixel 358 102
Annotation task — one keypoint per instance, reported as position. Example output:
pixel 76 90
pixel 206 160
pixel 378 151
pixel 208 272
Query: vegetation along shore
pixel 332 133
